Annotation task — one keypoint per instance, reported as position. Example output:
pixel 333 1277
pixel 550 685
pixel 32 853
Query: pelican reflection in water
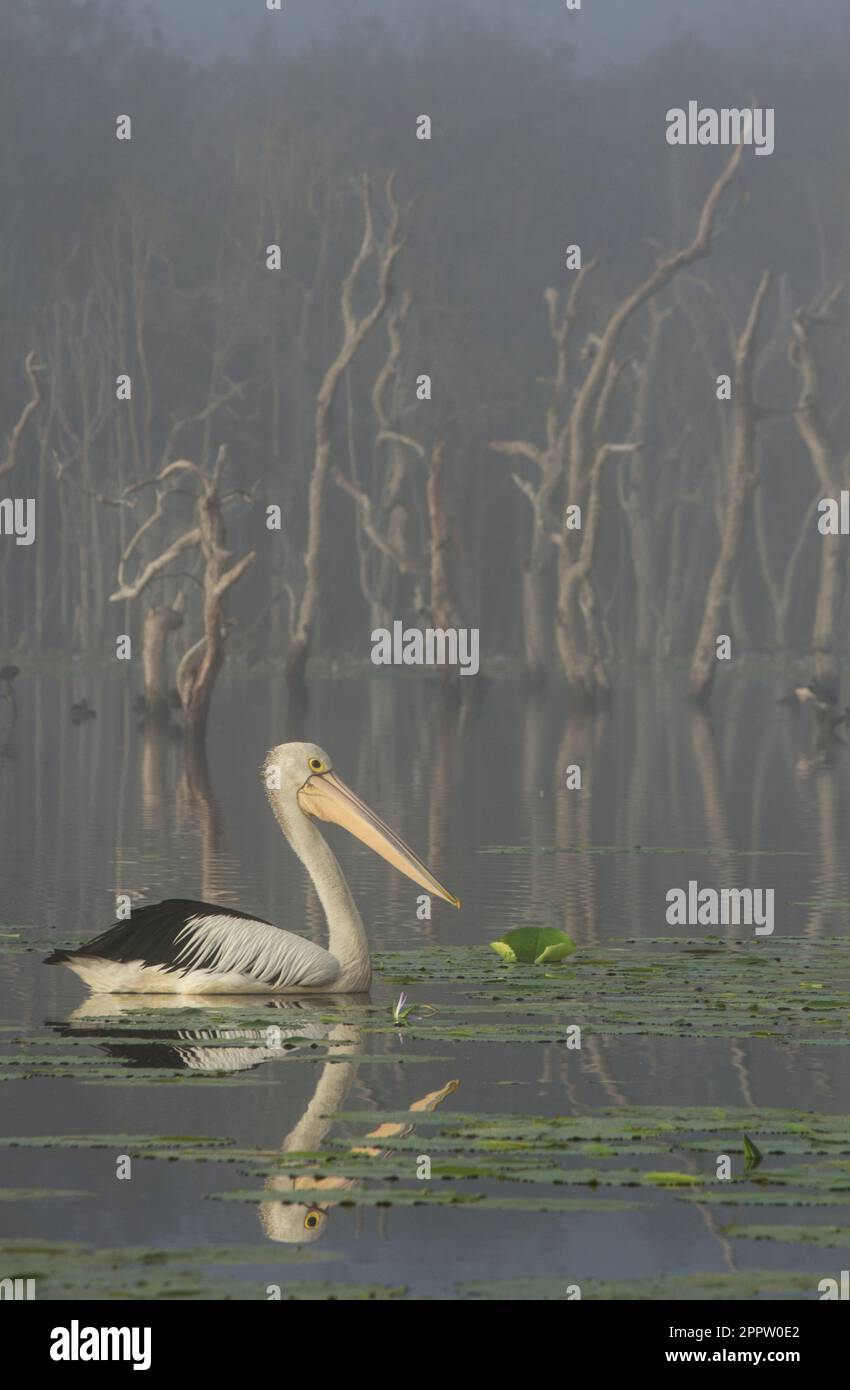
pixel 295 1025
pixel 186 947
pixel 286 1219
pixel 283 1217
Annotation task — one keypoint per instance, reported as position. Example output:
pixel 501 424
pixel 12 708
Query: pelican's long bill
pixel 326 797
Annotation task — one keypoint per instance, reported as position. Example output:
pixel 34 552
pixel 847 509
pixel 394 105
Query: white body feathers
pixel 240 955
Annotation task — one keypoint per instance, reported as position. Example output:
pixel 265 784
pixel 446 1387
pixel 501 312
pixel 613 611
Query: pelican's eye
pixel 316 765
pixel 311 1221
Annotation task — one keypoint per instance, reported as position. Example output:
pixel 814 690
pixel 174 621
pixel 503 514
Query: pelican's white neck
pixel 346 933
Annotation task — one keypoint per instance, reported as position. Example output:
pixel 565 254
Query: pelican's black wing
pixel 181 935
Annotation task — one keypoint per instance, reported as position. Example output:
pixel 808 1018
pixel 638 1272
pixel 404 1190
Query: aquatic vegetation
pixel 744 1285
pixel 37 1194
pixel 395 1197
pixel 794 991
pixel 489 1162
pixel 402 1011
pixel 830 1236
pixel 534 945
pixel 598 1161
pixel 74 1271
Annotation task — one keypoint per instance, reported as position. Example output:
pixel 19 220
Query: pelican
pixel 186 947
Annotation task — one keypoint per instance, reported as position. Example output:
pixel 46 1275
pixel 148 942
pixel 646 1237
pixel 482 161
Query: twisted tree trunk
pixel 816 435
pixel 355 332
pixel 578 638
pixel 444 608
pixel 549 460
pixel 160 622
pixel 741 476
pixel 583 663
pixel 198 671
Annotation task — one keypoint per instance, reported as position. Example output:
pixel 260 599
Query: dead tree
pixel 586 672
pixel 815 432
pixel 639 492
pixel 572 449
pixel 200 665
pixel 387 547
pixel 199 668
pixel 161 620
pixel 444 604
pixel 13 440
pixel 356 329
pixel 578 638
pixel 741 479
pixel 549 462
pixel 8 463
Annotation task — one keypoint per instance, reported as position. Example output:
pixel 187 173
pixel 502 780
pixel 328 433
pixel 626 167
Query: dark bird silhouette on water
pixel 822 699
pixel 82 711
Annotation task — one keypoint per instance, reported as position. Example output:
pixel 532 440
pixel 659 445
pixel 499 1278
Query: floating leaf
pixel 664 1179
pixel 534 945
pixel 832 1236
pixel 745 1285
pixel 36 1194
pixel 424 1196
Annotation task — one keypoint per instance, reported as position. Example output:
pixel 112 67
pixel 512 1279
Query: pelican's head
pixel 300 780
pixel 292 1223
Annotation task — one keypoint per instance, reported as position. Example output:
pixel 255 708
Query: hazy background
pixel 148 258
pixel 252 127
pixel 604 31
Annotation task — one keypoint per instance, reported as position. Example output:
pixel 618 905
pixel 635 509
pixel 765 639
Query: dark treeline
pixel 297 388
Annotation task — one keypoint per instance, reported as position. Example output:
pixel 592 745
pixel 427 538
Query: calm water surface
pixel 93 811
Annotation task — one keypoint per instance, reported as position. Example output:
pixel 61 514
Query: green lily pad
pixel 534 945
pixel 837 1237
pixel 671 1179
pixel 743 1285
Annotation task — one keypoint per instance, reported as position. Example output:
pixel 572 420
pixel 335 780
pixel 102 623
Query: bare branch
pixel 235 573
pixel 370 528
pixel 60 467
pixel 31 368
pixel 519 448
pixel 355 331
pixel 154 567
pixel 582 414
pixel 392 437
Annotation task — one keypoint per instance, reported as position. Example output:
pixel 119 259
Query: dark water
pixel 93 811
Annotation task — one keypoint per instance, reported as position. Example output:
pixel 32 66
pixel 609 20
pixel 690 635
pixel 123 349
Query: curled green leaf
pixel 534 945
